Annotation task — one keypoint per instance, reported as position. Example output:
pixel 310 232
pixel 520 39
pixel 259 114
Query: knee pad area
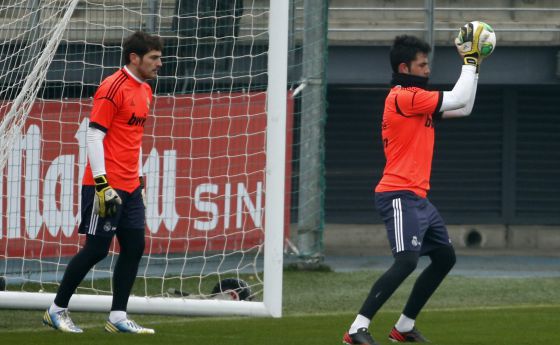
pixel 443 258
pixel 405 263
pixel 95 249
pixel 132 242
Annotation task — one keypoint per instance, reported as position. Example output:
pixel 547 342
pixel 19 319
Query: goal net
pixel 216 173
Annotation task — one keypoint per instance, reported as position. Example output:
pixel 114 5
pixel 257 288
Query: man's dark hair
pixel 140 43
pixel 405 49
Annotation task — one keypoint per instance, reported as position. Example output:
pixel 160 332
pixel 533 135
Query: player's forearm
pixel 95 151
pixel 465 111
pixel 460 95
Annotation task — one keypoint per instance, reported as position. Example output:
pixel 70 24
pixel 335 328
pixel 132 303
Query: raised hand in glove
pixel 467 43
pixel 106 199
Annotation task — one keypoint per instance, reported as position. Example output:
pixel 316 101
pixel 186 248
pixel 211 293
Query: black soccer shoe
pixel 413 336
pixel 362 337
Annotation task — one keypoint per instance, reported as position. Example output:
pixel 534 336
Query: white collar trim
pixel 132 75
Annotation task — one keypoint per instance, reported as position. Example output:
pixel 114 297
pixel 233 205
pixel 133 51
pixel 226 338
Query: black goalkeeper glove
pixel 467 43
pixel 106 199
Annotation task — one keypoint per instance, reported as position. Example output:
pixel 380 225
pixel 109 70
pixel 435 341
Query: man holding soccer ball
pixel 414 226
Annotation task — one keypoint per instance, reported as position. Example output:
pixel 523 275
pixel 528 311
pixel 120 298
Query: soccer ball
pixel 487 39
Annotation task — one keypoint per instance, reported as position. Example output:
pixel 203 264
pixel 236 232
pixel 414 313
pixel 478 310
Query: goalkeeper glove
pixel 143 190
pixel 106 199
pixel 467 43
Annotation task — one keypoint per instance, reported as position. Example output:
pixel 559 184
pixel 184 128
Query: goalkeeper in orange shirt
pixel 414 225
pixel 112 187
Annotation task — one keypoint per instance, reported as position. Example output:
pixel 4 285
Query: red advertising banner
pixel 204 159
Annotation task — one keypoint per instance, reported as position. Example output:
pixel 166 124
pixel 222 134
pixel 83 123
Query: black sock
pixel 443 260
pixel 95 249
pixel 131 242
pixel 405 263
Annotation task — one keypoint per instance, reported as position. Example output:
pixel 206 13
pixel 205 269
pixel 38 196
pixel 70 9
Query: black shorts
pixel 130 214
pixel 412 222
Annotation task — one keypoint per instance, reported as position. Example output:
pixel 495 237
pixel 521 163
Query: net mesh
pixel 204 148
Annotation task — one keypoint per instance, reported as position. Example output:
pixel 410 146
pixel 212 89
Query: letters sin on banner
pixel 204 165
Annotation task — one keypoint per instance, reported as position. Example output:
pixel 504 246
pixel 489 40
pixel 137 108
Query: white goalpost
pixel 216 151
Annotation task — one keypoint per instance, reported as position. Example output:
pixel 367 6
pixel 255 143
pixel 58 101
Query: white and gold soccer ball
pixel 487 38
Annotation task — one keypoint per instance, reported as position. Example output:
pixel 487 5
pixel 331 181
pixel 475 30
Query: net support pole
pixel 311 172
pixel 152 23
pixel 429 24
pixel 275 155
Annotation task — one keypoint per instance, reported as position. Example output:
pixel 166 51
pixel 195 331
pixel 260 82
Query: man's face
pixel 148 65
pixel 418 67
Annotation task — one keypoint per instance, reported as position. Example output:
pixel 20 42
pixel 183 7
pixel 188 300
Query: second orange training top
pixel 408 139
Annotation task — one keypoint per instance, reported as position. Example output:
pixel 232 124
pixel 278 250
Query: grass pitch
pixel 319 306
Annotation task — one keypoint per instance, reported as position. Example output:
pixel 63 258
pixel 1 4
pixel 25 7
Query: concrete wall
pixel 370 21
pixel 371 239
